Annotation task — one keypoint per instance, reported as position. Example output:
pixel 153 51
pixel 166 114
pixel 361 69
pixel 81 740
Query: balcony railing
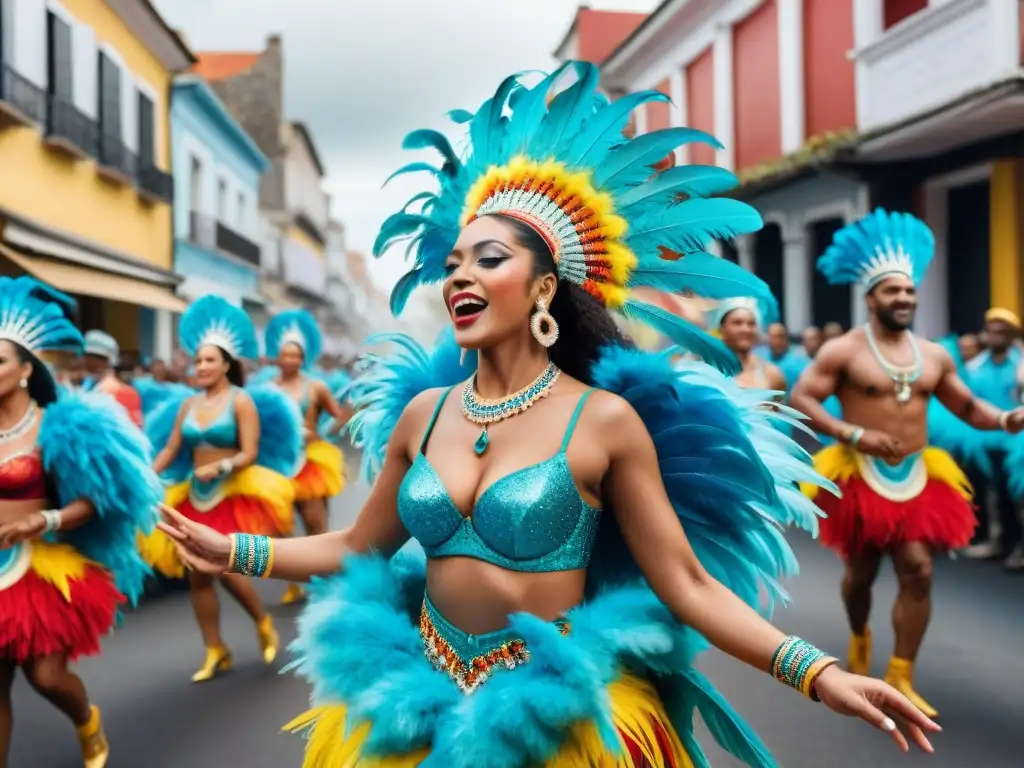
pixel 155 183
pixel 935 57
pixel 25 98
pixel 230 241
pixel 115 157
pixel 208 233
pixel 69 128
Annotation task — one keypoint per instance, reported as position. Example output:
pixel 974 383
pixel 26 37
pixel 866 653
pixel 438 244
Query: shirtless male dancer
pixel 900 497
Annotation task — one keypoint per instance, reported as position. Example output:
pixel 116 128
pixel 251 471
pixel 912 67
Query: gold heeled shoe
pixel 269 640
pixel 900 676
pixel 93 741
pixel 294 594
pixel 218 660
pixel 858 660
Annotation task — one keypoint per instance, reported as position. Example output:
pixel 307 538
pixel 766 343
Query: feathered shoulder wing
pixel 92 451
pixel 281 444
pixel 159 425
pixel 388 383
pixel 729 467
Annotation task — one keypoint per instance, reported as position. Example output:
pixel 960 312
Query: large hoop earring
pixel 543 326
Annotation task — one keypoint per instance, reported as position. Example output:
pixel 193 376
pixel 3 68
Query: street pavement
pixel 971 669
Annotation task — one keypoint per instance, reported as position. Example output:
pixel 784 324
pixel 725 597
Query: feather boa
pixel 517 719
pixel 92 449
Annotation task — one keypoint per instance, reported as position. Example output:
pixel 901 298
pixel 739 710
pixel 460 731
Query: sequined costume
pixel 395 683
pixel 62 591
pixel 926 497
pixel 256 499
pixel 322 474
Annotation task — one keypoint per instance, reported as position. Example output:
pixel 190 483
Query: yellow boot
pixel 858 661
pixel 93 741
pixel 900 676
pixel 269 640
pixel 218 660
pixel 294 594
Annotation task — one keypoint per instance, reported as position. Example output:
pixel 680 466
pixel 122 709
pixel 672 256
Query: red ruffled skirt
pixel 940 515
pixel 55 601
pixel 254 500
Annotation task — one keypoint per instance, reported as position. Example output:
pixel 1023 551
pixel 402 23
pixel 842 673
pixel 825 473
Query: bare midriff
pixel 205 455
pixel 477 597
pixel 15 511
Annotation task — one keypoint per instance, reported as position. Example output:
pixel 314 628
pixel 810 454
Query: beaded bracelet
pixel 799 664
pixel 251 555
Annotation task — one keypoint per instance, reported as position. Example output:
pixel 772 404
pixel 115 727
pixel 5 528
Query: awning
pixel 72 278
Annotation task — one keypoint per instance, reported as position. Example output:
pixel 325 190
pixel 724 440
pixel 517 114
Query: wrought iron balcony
pixel 115 159
pixel 155 183
pixel 210 234
pixel 21 101
pixel 237 245
pixel 68 129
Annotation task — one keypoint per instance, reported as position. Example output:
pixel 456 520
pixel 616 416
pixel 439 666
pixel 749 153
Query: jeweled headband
pixel 881 245
pixel 560 162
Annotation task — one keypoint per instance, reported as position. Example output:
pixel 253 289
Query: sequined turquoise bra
pixel 532 520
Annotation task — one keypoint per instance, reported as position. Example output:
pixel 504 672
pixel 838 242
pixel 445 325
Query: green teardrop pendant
pixel 481 443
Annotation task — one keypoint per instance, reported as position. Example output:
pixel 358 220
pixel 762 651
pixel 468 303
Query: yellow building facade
pixel 85 196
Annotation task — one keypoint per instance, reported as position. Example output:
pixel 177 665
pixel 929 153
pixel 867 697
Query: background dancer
pixel 294 341
pixel 75 491
pixel 559 586
pixel 901 498
pixel 740 323
pixel 231 453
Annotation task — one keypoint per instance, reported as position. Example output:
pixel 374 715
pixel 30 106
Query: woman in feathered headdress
pixel 293 341
pixel 229 454
pixel 75 490
pixel 739 322
pixel 589 513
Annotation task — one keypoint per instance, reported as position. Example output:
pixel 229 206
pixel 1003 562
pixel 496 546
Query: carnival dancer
pixel 75 489
pixel 531 475
pixel 900 497
pixel 102 355
pixel 739 323
pixel 294 341
pixel 230 453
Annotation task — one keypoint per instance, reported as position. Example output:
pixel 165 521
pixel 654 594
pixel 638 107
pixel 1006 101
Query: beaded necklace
pixel 24 425
pixel 485 412
pixel 903 376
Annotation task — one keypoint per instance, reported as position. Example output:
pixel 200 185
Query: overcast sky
pixel 363 73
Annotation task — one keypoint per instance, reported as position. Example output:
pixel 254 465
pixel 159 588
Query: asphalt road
pixel 972 669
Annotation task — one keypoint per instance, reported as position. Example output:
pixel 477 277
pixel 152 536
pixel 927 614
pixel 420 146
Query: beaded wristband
pixel 251 555
pixel 798 664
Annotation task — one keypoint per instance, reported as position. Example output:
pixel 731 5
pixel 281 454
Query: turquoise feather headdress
pixel 294 326
pixel 765 311
pixel 561 163
pixel 880 245
pixel 39 319
pixel 212 320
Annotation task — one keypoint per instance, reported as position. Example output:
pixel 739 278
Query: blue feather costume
pixel 257 498
pixel 61 592
pixel 615 679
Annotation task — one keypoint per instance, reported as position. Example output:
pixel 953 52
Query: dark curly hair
pixel 585 327
pixel 236 373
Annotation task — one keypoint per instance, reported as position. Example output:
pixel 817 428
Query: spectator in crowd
pixel 832 331
pixel 969 346
pixel 781 353
pixel 102 356
pixel 811 341
pixel 158 370
pixel 992 376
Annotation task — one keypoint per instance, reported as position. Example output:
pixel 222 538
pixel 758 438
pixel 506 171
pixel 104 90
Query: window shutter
pixel 83 56
pixel 147 131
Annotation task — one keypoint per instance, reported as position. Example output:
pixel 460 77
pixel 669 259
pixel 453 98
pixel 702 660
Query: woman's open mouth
pixel 466 309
